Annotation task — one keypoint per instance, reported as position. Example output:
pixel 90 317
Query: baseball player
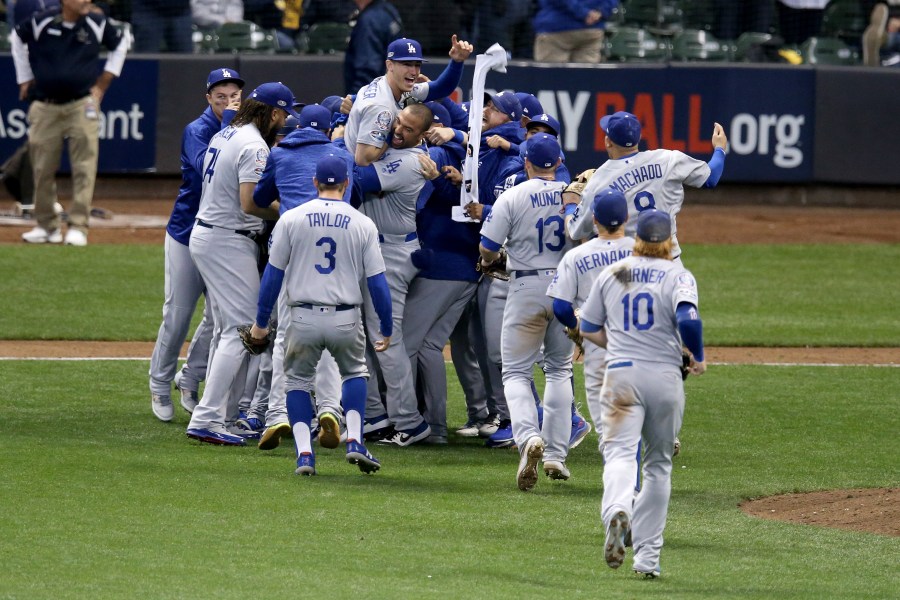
pixel 322 250
pixel 576 274
pixel 183 284
pixel 527 217
pixel 649 179
pixel 392 187
pixel 642 309
pixel 288 176
pixel 377 104
pixel 224 249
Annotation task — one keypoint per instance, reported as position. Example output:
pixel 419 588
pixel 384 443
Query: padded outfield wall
pixel 786 124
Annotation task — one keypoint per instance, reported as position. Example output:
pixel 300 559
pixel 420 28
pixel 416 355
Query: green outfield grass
pixel 101 500
pixel 760 295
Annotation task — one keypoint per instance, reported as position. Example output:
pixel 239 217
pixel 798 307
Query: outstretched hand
pixel 718 137
pixel 460 49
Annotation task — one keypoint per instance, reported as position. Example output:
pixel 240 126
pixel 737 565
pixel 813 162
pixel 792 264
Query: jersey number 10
pixel 633 309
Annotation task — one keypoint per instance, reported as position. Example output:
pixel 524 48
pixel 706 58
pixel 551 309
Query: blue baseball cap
pixel 315 116
pixel 654 226
pixel 405 50
pixel 610 207
pixel 542 150
pixel 331 170
pixel 290 124
pixel 623 128
pixel 223 75
pixel 544 119
pixel 441 116
pixel 530 104
pixel 276 95
pixel 332 103
pixel 507 103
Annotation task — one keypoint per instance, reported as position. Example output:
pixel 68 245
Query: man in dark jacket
pixel 377 25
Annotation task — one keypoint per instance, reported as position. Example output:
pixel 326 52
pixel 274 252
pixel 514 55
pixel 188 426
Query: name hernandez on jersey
pixel 580 267
pixel 649 179
pixel 635 301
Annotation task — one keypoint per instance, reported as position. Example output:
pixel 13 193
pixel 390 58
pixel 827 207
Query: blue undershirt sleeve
pixel 716 166
pixel 490 244
pixel 266 192
pixel 588 327
pixel 227 116
pixel 381 298
pixel 564 312
pixel 368 179
pixel 691 328
pixel 269 288
pixel 446 83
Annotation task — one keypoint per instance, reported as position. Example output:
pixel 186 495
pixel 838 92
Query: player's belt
pixel 618 365
pixel 322 308
pixel 400 238
pixel 61 100
pixel 244 232
pixel 534 272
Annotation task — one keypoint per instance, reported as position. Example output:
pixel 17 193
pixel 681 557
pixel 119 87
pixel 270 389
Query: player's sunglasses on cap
pixel 654 226
pixel 331 170
pixel 546 120
pixel 610 207
pixel 217 76
pixel 623 128
pixel 542 150
pixel 405 50
pixel 315 116
pixel 505 102
pixel 276 95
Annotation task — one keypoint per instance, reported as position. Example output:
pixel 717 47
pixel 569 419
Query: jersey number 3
pixel 331 246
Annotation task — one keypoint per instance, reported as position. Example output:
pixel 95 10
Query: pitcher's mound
pixel 871 510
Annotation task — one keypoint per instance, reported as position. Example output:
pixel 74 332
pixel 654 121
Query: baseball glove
pixel 577 185
pixel 574 334
pixel 686 360
pixel 496 269
pixel 255 345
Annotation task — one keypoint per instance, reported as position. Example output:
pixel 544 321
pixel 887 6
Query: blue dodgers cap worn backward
pixel 654 226
pixel 440 114
pixel 530 104
pixel 610 207
pixel 315 116
pixel 507 103
pixel 405 49
pixel 623 128
pixel 217 76
pixel 544 119
pixel 542 150
pixel 276 95
pixel 331 170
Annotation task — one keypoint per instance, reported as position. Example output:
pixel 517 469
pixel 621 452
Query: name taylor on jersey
pixel 324 219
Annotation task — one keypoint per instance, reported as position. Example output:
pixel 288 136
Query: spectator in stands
pixel 571 31
pixel 883 33
pixel 269 14
pixel 290 20
pixel 799 20
pixel 431 23
pixel 377 24
pixel 209 14
pixel 153 21
pixel 734 17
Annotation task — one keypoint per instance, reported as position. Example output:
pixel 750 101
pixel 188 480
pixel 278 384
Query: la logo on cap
pixel 410 48
pixel 545 118
pixel 226 73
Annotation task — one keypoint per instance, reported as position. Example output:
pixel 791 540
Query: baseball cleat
pixel 76 237
pixel 237 428
pixel 580 430
pixel 470 429
pixel 377 428
pixel 677 448
pixel 651 574
pixel 306 464
pixel 407 437
pixel 271 437
pixel 162 407
pixel 359 456
pixel 526 476
pixel 489 427
pixel 503 437
pixel 208 436
pixel 615 539
pixel 39 235
pixel 330 430
pixel 189 399
pixel 556 469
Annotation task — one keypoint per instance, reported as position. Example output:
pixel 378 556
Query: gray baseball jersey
pixel 529 215
pixel 374 112
pixel 650 179
pixel 394 209
pixel 226 166
pixel 580 267
pixel 326 248
pixel 635 301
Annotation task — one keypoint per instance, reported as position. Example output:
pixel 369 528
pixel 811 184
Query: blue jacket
pixel 564 15
pixel 289 172
pixel 452 246
pixel 494 161
pixel 378 25
pixel 194 142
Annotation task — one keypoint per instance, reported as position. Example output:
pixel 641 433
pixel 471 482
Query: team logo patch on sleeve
pixel 378 136
pixel 384 119
pixel 686 280
pixel 261 156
